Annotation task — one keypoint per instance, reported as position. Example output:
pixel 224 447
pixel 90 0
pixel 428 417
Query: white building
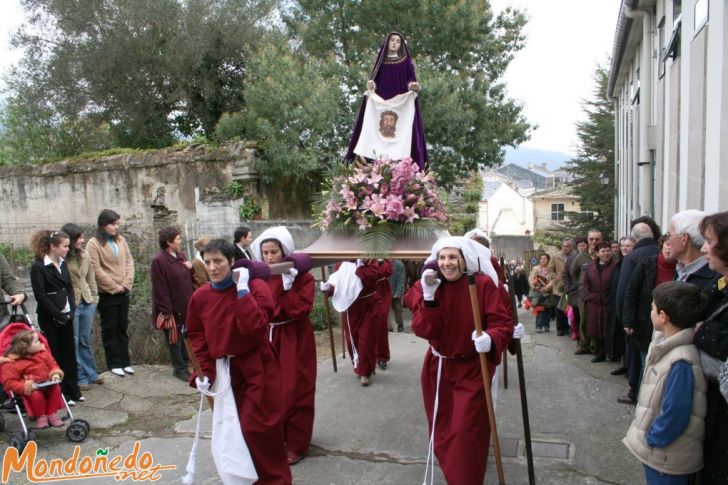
pixel 504 212
pixel 669 82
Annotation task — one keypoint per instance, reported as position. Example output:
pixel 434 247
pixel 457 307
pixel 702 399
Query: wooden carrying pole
pixel 195 363
pixel 486 379
pixel 329 324
pixel 516 346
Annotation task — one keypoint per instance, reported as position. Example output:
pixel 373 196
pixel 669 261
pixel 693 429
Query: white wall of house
pixel 506 213
pixel 671 113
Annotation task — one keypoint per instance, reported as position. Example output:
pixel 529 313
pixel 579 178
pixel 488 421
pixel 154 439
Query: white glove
pixel 505 285
pixel 482 343
pixel 519 331
pixel 288 278
pixel 202 385
pixel 359 262
pixel 243 277
pixel 324 286
pixel 428 291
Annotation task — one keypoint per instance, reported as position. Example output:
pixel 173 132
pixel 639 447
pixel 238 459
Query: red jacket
pixel 36 367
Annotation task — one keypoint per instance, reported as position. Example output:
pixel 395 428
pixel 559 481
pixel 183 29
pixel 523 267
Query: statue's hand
pixel 414 86
pixel 371 85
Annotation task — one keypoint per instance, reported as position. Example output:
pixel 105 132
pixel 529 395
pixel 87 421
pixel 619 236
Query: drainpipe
pixel 646 129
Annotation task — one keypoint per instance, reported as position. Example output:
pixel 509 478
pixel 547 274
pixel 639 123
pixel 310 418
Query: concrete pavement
pixel 378 435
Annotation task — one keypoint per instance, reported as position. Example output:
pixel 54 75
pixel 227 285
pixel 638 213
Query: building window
pixel 557 212
pixel 676 11
pixel 661 47
pixel 700 15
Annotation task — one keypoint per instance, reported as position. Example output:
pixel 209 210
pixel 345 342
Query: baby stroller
pixel 77 430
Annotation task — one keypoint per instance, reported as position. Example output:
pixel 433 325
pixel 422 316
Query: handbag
pixel 15 317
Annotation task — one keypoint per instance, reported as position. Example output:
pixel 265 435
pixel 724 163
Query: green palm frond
pixel 377 242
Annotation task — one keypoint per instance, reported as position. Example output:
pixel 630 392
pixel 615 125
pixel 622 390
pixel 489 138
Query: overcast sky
pixel 566 40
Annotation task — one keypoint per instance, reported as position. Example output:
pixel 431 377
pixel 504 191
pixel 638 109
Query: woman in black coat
pixel 711 339
pixel 53 292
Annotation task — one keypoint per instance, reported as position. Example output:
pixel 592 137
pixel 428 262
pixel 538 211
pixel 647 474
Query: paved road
pixel 378 435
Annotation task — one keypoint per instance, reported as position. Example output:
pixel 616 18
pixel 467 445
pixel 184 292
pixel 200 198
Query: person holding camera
pixel 53 291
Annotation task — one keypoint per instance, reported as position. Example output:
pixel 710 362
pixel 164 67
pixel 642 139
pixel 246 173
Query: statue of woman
pixel 393 74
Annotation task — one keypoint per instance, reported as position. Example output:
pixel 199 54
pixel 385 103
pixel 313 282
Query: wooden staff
pixel 504 359
pixel 343 336
pixel 486 379
pixel 329 324
pixel 195 363
pixel 516 347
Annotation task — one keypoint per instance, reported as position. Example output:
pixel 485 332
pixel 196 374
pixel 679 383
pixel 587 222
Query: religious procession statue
pixel 389 122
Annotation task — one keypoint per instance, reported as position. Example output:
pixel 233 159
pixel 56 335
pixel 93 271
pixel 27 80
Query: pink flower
pixel 410 214
pixel 395 208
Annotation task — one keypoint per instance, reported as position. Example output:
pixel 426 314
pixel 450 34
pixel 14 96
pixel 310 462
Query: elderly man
pixel 556 264
pixel 645 246
pixel 684 242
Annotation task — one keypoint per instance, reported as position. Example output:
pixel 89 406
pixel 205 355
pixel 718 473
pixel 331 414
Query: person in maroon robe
pixel 384 303
pixel 393 74
pixel 223 320
pixel 291 334
pixel 442 314
pixel 359 319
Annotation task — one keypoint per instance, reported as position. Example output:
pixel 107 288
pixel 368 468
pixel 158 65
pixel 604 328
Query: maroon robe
pixel 218 324
pixel 596 297
pixel 462 431
pixel 384 292
pixel 296 347
pixel 360 317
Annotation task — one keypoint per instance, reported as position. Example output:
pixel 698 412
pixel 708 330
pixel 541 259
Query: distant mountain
pixel 523 156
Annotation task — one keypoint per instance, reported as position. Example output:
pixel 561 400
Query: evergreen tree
pixel 594 162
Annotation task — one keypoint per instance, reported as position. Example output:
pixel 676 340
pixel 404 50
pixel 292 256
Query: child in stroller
pixel 29 369
pixel 51 396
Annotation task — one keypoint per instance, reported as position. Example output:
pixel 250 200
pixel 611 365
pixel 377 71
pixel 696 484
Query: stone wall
pixel 150 189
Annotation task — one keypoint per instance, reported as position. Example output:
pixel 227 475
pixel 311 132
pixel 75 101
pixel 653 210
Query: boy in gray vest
pixel 667 432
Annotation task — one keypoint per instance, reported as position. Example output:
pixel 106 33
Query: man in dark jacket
pixel 685 241
pixel 644 247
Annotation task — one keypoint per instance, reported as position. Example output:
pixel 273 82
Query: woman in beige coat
pixel 114 270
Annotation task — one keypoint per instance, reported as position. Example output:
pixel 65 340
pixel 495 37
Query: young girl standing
pixel 53 290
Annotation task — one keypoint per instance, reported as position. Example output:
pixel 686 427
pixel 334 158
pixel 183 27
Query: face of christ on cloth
pixel 388 124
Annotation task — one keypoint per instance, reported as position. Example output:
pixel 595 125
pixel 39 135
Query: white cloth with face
pixel 476 256
pixel 280 234
pixel 347 286
pixel 288 278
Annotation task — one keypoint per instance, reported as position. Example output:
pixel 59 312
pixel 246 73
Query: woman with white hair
pixel 452 382
pixel 291 334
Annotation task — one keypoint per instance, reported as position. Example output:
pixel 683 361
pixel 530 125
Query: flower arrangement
pixel 381 201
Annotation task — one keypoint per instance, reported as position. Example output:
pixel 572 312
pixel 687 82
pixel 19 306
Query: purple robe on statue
pixel 392 77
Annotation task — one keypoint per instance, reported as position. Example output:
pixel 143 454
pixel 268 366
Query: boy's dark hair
pixel 604 245
pixel 223 246
pixel 581 240
pixel 682 302
pixel 240 232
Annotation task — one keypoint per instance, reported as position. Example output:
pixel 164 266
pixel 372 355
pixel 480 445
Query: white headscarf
pixel 280 234
pixel 475 233
pixel 477 256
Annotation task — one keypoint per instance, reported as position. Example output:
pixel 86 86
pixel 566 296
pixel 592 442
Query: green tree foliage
pixel 461 50
pixel 291 113
pixel 463 203
pixel 595 159
pixel 140 72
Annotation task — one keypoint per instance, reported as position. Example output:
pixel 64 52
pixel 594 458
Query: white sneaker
pixel 128 370
pixel 118 371
pixel 71 402
pixel 81 399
